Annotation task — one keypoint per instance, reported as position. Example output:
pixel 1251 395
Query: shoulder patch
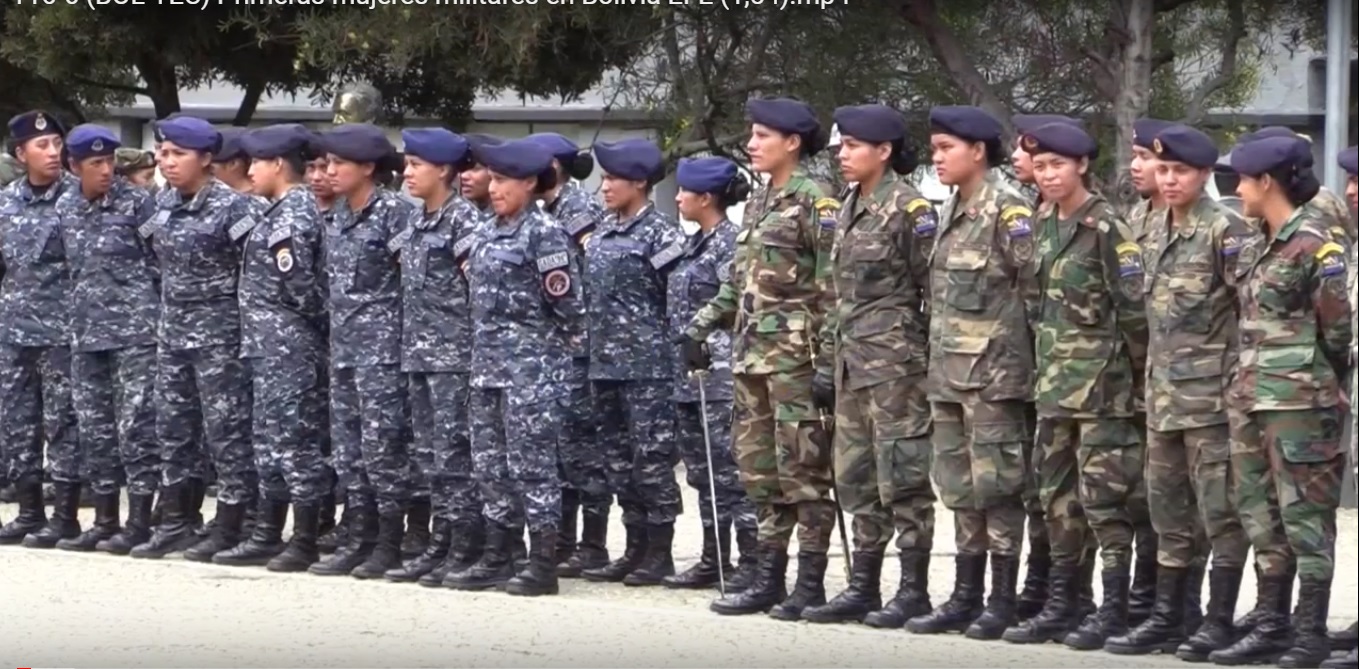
pixel 241 227
pixel 579 224
pixel 1018 221
pixel 724 272
pixel 463 245
pixel 552 261
pixel 284 259
pixel 395 243
pixel 1231 246
pixel 826 210
pixel 667 255
pixel 1338 233
pixel 280 235
pixel 1332 258
pixel 1129 259
pixel 926 220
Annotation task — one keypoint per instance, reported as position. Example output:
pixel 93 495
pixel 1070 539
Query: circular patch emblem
pixel 284 258
pixel 557 283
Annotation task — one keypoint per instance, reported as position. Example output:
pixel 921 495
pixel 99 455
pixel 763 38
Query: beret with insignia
pixel 1183 144
pixel 190 132
pixel 31 124
pixel 91 139
pixel 631 159
pixel 435 145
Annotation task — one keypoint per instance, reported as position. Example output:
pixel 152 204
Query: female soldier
pixel 524 292
pixel 627 261
pixel 708 187
pixel 1295 335
pixel 879 329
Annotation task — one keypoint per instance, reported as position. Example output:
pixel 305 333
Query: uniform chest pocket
pixel 701 288
pixel 778 257
pixel 372 262
pixel 965 268
pixel 28 245
pixel 117 237
pixel 1281 290
pixel 1080 287
pixel 1186 294
pixel 871 257
pixel 621 262
pixel 508 269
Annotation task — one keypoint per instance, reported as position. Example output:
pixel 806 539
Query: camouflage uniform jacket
pixel 34 291
pixel 115 279
pixel 880 322
pixel 1090 329
pixel 1140 216
pixel 1190 296
pixel 1295 318
pixel 575 210
pixel 981 266
pixel 524 290
pixel 698 276
pixel 626 263
pixel 436 328
pixel 780 289
pixel 362 250
pixel 282 303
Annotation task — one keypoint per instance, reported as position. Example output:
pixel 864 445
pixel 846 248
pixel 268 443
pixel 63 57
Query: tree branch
pixel 689 148
pixel 1163 6
pixel 1231 41
pixel 944 45
pixel 121 88
pixel 1162 58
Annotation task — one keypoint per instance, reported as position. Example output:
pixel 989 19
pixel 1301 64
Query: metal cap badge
pixel 40 123
pixel 1156 146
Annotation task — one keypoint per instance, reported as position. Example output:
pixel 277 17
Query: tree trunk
pixel 162 84
pixel 249 102
pixel 1136 21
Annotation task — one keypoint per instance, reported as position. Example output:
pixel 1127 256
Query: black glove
pixel 695 354
pixel 823 393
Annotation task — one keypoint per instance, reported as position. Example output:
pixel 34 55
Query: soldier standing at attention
pixel 231 165
pixel 115 302
pixel 1142 171
pixel 879 329
pixel 707 188
pixel 369 417
pixel 980 369
pixel 475 181
pixel 317 180
pixel 774 304
pixel 627 262
pixel 35 354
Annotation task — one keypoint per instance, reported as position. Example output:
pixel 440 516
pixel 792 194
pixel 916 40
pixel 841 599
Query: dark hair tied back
pixel 736 192
pixel 1300 184
pixel 546 181
pixel 904 159
pixel 814 142
pixel 579 166
pixel 995 153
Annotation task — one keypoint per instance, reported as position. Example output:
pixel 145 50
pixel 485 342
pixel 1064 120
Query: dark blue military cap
pixel 870 123
pixel 973 124
pixel 1145 131
pixel 32 124
pixel 786 115
pixel 517 159
pixel 435 145
pixel 559 146
pixel 91 139
pixel 1062 139
pixel 1349 160
pixel 1183 144
pixel 231 145
pixel 1026 122
pixel 476 140
pixel 1273 153
pixel 1271 131
pixel 190 132
pixel 631 159
pixel 273 141
pixel 358 142
pixel 705 175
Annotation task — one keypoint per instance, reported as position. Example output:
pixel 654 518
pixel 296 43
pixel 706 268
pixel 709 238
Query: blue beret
pixel 969 123
pixel 1026 122
pixel 1266 155
pixel 631 159
pixel 358 142
pixel 559 146
pixel 1062 139
pixel 231 145
pixel 786 115
pixel 870 123
pixel 705 175
pixel 517 159
pixel 435 145
pixel 1349 160
pixel 1183 144
pixel 190 132
pixel 1145 131
pixel 1270 131
pixel 32 124
pixel 273 141
pixel 91 139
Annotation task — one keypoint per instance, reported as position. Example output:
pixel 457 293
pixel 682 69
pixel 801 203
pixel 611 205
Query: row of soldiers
pixel 1178 368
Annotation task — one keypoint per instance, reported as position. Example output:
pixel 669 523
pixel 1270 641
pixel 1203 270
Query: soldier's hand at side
pixel 823 392
pixel 695 354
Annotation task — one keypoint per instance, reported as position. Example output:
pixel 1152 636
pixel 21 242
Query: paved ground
pixel 67 610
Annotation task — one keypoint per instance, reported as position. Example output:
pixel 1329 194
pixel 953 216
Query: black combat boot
pixel 566 533
pixel 1193 596
pixel 386 554
pixel 765 590
pixel 301 551
pixel 862 596
pixel 913 593
pixel 225 536
pixel 1343 640
pixel 518 548
pixel 659 561
pixel 105 526
pixel 360 532
pixel 32 514
pixel 137 531
pixel 411 570
pixel 540 577
pixel 265 541
pixel 416 538
pixel 493 569
pixel 1264 606
pixel 808 590
pixel 704 573
pixel 466 542
pixel 592 552
pixel 1142 593
pixel 198 494
pixel 1059 616
pixel 1350 661
pixel 330 540
pixel 1311 647
pixel 1085 584
pixel 964 605
pixel 1163 632
pixel 64 523
pixel 747 564
pixel 174 533
pixel 1111 619
pixel 1216 632
pixel 1035 592
pixel 1271 633
pixel 1000 605
pixel 616 571
pixel 326 515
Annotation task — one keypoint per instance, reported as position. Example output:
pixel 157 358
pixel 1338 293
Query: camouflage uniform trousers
pixel 635 430
pixel 369 422
pixel 114 393
pixel 882 464
pixel 442 448
pixel 1036 525
pixel 212 383
pixel 1287 471
pixel 514 455
pixel 732 504
pixel 289 415
pixel 35 406
pixel 581 460
pixel 979 471
pixel 1091 467
pixel 1188 481
pixel 783 452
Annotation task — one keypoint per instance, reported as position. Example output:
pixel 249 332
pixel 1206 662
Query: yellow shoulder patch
pixel 1017 211
pixel 827 204
pixel 826 209
pixel 917 204
pixel 1329 248
pixel 1128 247
pixel 1338 233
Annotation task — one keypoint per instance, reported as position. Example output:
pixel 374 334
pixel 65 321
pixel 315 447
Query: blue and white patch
pixel 1231 246
pixel 1130 260
pixel 580 224
pixel 826 210
pixel 241 228
pixel 280 234
pixel 926 220
pixel 667 255
pixel 395 243
pixel 1331 257
pixel 552 261
pixel 464 245
pixel 154 224
pixel 724 272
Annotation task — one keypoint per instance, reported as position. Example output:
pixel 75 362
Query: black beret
pixel 871 123
pixel 1273 153
pixel 1183 144
pixel 973 124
